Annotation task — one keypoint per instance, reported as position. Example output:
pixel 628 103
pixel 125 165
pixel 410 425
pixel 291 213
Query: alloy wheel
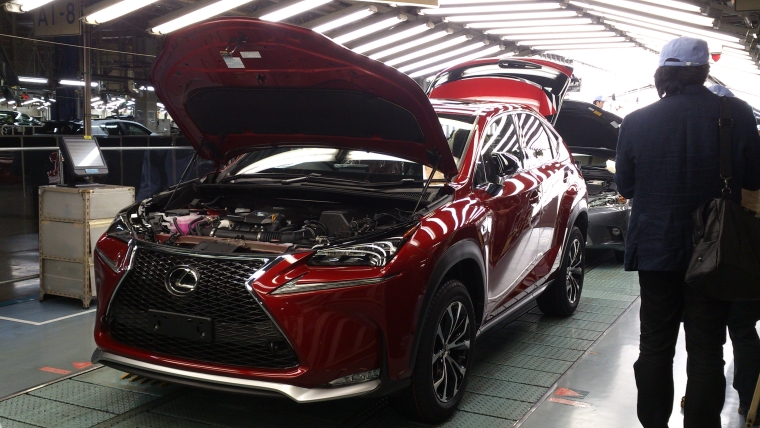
pixel 574 277
pixel 451 351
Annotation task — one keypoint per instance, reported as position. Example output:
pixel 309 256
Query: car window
pixel 111 129
pixel 133 129
pixel 535 141
pixel 500 136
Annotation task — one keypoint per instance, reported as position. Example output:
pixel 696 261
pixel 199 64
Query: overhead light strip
pixel 401 35
pixel 648 28
pixel 573 47
pixel 603 11
pixel 512 16
pixel 571 41
pixel 441 57
pixel 292 10
pixel 436 68
pixel 676 5
pixel 422 52
pixel 691 18
pixel 114 11
pixel 491 8
pixel 369 29
pixel 401 48
pixel 530 23
pixel 198 15
pixel 544 29
pixel 559 36
pixel 40 80
pixel 345 20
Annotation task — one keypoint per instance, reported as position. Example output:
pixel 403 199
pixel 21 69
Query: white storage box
pixel 71 222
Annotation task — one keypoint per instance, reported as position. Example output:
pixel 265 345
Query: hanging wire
pixel 75 46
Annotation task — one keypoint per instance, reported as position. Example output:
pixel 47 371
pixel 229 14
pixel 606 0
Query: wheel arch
pixel 462 261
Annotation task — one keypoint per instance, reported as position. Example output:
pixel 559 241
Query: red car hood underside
pixel 234 85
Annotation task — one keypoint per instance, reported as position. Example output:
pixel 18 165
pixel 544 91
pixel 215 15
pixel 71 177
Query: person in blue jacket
pixel 668 162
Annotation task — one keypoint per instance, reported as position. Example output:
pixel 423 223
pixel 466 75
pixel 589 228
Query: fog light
pixel 616 231
pixel 356 378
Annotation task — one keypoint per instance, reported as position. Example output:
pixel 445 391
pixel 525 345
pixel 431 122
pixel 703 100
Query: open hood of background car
pixel 538 83
pixel 237 84
pixel 585 125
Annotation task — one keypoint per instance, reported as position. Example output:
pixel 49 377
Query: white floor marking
pixel 48 321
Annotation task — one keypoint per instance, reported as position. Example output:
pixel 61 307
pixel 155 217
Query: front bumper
pixel 212 381
pixel 602 221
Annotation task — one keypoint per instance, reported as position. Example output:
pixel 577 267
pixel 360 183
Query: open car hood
pixel 237 84
pixel 538 83
pixel 585 125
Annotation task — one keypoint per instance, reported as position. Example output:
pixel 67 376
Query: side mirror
pixel 504 164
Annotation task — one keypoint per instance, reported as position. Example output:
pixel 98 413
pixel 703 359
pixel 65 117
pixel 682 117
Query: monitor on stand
pixel 82 160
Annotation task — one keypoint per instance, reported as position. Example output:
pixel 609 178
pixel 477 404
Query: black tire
pixel 561 297
pixel 431 398
pixel 620 256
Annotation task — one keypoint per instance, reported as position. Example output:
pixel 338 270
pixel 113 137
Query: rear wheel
pixel 443 360
pixel 562 296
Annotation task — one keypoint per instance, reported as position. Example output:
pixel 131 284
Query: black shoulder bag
pixel 725 264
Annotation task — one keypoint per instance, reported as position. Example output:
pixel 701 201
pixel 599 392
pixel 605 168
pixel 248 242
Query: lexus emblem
pixel 182 280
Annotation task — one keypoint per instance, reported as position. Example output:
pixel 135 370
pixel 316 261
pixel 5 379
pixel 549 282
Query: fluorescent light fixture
pixel 691 18
pixel 436 68
pixel 453 2
pixel 585 46
pixel 549 23
pixel 28 102
pixel 345 20
pixel 620 16
pixel 160 105
pixel 441 57
pixel 369 29
pixel 91 99
pixel 146 88
pixel 544 29
pixel 2 100
pixel 490 9
pixel 401 35
pixel 26 6
pixel 39 80
pixel 76 83
pixel 11 102
pixel 294 9
pixel 198 15
pixel 114 11
pixel 559 36
pixel 400 48
pixel 512 16
pixel 676 5
pixel 422 52
pixel 673 33
pixel 573 41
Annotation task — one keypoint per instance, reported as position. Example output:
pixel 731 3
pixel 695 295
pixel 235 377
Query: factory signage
pixel 59 18
pixel 422 3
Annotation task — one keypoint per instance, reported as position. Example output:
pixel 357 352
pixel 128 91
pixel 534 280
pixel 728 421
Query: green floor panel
pixel 92 396
pixel 554 330
pixel 493 406
pixel 515 374
pixel 600 294
pixel 619 289
pixel 524 361
pixel 542 339
pixel 573 322
pixel 504 389
pixel 236 415
pixel 391 419
pixel 50 414
pixel 531 349
pixel 7 423
pixel 152 420
pixel 109 377
pixel 620 305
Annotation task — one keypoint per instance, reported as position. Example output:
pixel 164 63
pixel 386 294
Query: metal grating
pixel 152 420
pixel 50 414
pixel 515 374
pixel 504 389
pixel 553 329
pixel 524 361
pixel 7 423
pixel 244 335
pixel 97 397
pixel 493 406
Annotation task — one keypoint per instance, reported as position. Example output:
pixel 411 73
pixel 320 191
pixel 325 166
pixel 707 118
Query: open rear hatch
pixel 538 83
pixel 238 84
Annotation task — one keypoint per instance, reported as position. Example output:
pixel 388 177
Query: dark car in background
pixel 16 123
pixel 591 134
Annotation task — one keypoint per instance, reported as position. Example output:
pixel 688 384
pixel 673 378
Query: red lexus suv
pixel 356 237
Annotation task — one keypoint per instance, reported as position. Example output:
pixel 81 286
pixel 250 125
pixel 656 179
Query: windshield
pixel 353 164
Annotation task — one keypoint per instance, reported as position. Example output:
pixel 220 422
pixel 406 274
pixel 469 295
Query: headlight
pixel 120 229
pixel 606 201
pixel 370 254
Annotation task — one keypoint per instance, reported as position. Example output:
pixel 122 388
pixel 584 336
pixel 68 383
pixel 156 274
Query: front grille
pixel 244 335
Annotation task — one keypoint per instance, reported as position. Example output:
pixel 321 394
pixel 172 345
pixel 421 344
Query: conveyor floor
pixel 517 371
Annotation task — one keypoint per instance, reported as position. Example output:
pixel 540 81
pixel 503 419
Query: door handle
pixel 567 174
pixel 533 197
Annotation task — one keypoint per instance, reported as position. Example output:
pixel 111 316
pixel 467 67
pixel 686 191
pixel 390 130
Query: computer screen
pixel 84 153
pixel 82 158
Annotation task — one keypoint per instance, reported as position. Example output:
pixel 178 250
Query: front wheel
pixel 562 296
pixel 442 366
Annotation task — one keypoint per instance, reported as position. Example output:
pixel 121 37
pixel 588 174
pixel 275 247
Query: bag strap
pixel 726 125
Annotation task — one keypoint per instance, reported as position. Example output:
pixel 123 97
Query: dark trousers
pixel 665 299
pixel 746 344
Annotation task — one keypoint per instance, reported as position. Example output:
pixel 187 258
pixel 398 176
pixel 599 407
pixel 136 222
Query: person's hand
pixel 611 165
